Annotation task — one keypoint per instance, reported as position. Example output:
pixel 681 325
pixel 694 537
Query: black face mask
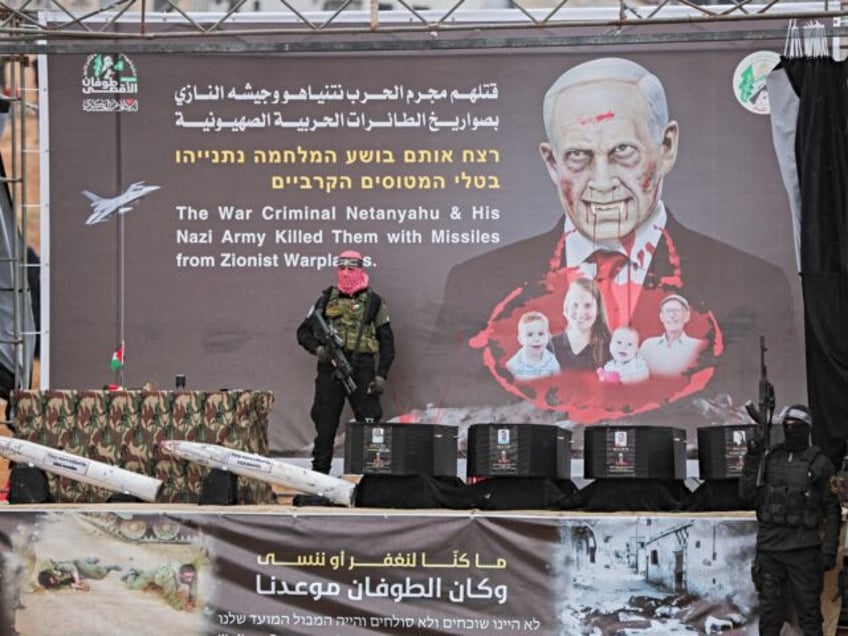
pixel 796 436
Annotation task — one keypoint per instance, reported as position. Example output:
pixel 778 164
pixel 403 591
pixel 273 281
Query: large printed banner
pixel 121 571
pixel 611 253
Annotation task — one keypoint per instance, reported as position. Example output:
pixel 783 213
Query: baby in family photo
pixel 627 366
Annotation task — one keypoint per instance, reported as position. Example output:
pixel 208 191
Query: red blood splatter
pixel 579 395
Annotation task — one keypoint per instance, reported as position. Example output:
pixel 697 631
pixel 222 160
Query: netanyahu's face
pixel 607 168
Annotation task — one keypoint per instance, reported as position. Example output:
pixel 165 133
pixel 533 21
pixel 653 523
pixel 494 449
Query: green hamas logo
pixel 109 84
pixel 749 81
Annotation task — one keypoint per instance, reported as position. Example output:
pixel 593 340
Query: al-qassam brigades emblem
pixel 749 81
pixel 109 84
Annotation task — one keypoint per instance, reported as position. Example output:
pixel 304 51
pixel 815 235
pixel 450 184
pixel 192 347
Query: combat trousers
pixel 793 573
pixel 329 401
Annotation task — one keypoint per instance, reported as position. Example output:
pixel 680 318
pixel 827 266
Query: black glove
pixel 757 444
pixel 377 386
pixel 323 354
pixel 827 561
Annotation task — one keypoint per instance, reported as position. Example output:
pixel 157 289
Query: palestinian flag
pixel 118 358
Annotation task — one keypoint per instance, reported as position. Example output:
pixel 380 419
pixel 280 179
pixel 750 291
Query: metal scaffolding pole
pixel 18 333
pixel 56 27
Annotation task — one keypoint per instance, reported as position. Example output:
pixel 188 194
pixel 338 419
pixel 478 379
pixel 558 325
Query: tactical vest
pixel 347 316
pixel 790 497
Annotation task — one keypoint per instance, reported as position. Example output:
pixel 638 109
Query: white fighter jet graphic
pixel 104 209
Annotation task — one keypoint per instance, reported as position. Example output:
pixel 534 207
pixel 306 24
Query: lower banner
pixel 130 570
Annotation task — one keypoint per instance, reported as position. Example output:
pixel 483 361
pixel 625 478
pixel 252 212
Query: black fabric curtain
pixel 821 150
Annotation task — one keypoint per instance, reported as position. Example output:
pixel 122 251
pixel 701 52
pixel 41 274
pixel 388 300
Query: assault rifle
pixel 330 339
pixel 762 413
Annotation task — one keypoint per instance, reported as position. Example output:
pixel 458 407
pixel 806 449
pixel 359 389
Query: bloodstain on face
pixel 585 121
pixel 566 187
pixel 649 179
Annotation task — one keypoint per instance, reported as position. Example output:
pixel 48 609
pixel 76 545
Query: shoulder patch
pixel 835 485
pixel 382 315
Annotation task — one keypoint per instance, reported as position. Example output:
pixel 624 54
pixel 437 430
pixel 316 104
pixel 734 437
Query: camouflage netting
pixel 124 428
